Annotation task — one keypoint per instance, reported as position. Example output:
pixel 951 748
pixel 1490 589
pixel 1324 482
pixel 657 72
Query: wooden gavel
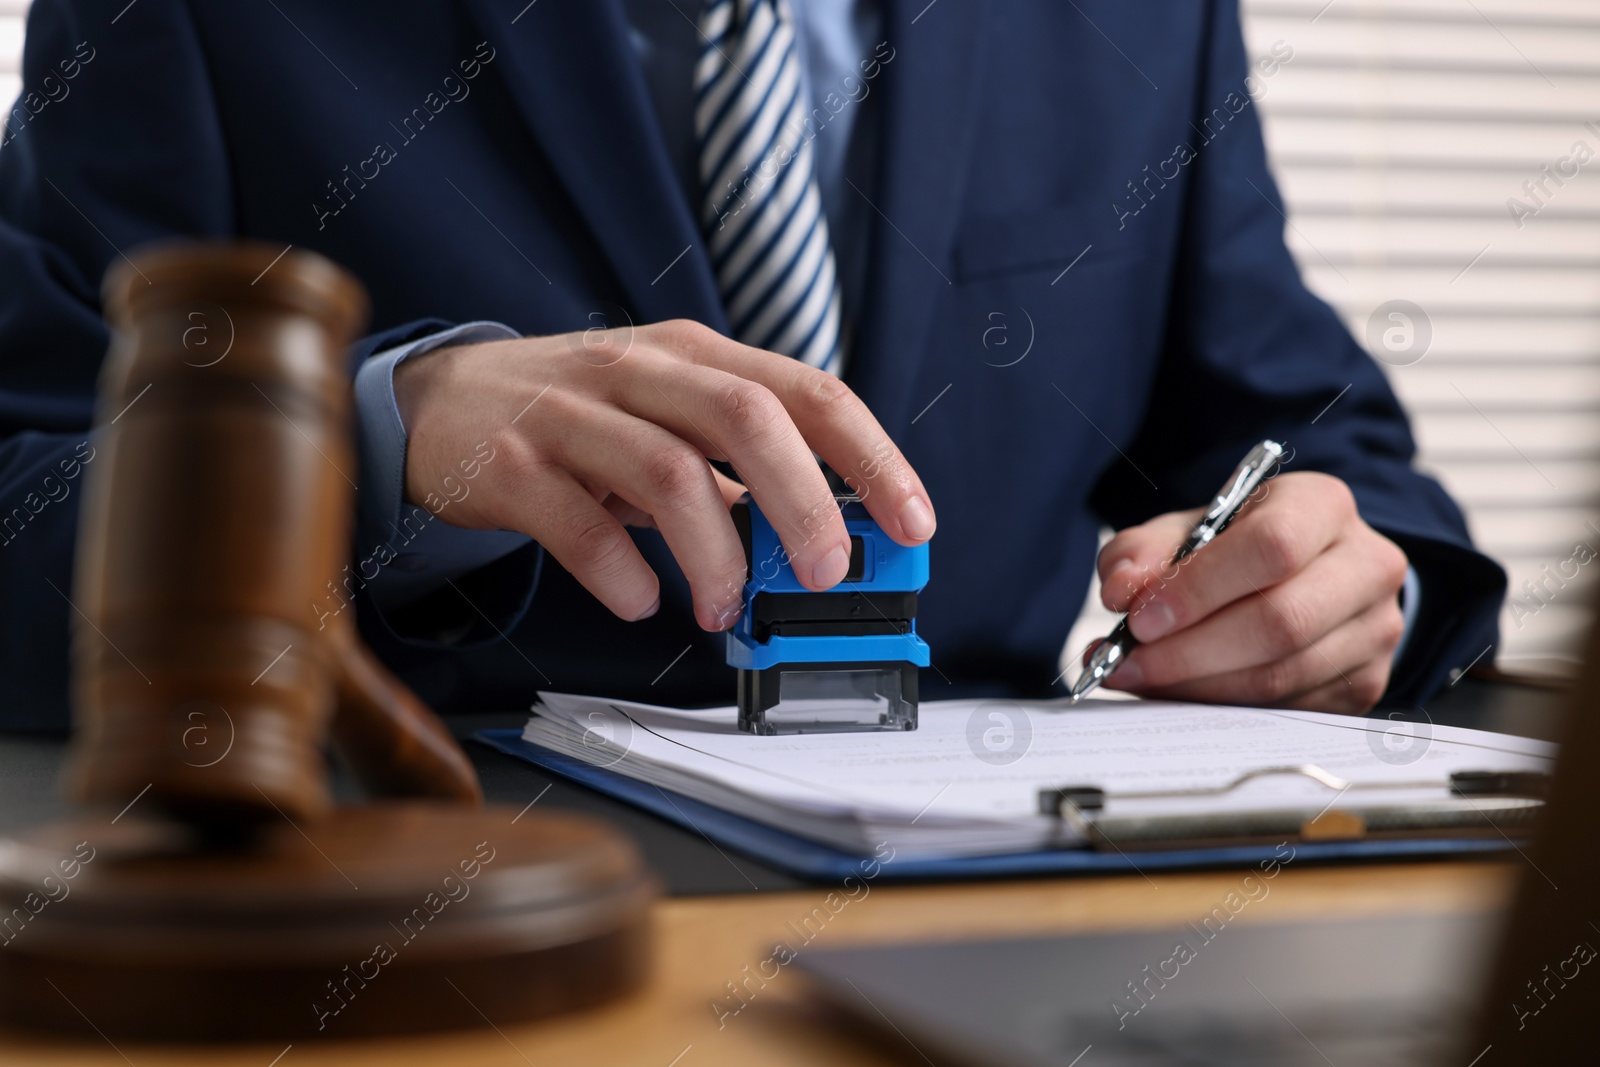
pixel 219 516
pixel 208 679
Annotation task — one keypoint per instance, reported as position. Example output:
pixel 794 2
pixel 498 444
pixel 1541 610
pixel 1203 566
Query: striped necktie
pixel 760 210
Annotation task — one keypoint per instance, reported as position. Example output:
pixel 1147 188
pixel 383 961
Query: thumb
pixel 1132 563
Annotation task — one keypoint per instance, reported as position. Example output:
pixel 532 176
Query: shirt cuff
pixel 407 551
pixel 1410 604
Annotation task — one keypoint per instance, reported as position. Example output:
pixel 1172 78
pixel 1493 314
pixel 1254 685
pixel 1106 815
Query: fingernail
pixel 1152 622
pixel 916 519
pixel 725 617
pixel 649 611
pixel 831 569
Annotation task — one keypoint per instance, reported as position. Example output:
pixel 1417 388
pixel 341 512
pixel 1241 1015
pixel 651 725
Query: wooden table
pixel 705 942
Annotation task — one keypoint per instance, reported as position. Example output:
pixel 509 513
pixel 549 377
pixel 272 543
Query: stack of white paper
pixel 966 782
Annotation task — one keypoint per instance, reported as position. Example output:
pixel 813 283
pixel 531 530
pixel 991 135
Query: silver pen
pixel 1251 472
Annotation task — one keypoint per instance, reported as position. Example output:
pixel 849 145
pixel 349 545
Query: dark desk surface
pixel 689 864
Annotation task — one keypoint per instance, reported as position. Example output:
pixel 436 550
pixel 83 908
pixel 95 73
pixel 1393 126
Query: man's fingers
pixel 1294 607
pixel 628 515
pixel 669 480
pixel 848 438
pixel 1346 669
pixel 1353 695
pixel 1133 565
pixel 739 419
pixel 834 422
pixel 1271 540
pixel 1272 624
pixel 587 540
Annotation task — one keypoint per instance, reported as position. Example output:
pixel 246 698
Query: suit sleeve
pixel 114 143
pixel 1251 353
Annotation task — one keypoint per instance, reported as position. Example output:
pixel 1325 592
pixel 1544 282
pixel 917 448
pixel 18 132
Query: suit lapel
pixel 568 66
pixel 930 99
pixel 610 155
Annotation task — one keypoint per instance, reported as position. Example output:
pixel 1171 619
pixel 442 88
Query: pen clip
pixel 1250 473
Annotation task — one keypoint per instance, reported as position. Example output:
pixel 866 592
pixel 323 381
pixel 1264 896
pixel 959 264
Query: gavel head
pixel 209 589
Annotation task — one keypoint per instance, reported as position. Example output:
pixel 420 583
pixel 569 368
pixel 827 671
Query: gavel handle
pixel 392 741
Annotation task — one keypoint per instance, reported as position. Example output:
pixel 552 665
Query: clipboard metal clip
pixel 1091 798
pixel 1083 808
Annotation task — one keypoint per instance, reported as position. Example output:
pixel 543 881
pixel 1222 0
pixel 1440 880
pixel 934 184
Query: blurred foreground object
pixel 1531 1016
pixel 214 891
pixel 218 518
pixel 360 925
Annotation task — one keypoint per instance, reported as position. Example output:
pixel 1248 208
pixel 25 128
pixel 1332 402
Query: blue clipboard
pixel 823 863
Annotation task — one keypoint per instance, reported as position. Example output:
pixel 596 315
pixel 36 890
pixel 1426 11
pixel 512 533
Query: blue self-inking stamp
pixel 844 660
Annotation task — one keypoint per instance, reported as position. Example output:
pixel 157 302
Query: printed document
pixel 967 780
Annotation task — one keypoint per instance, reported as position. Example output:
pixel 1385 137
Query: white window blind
pixel 12 13
pixel 1399 130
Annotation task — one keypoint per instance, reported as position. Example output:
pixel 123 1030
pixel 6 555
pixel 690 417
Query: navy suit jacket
pixel 1019 139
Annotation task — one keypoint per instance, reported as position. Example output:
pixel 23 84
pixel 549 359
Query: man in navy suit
pixel 1021 259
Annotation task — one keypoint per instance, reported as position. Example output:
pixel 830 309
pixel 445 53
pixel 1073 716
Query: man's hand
pixel 590 431
pixel 1294 606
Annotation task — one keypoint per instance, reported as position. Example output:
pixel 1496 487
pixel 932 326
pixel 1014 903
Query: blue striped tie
pixel 761 212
